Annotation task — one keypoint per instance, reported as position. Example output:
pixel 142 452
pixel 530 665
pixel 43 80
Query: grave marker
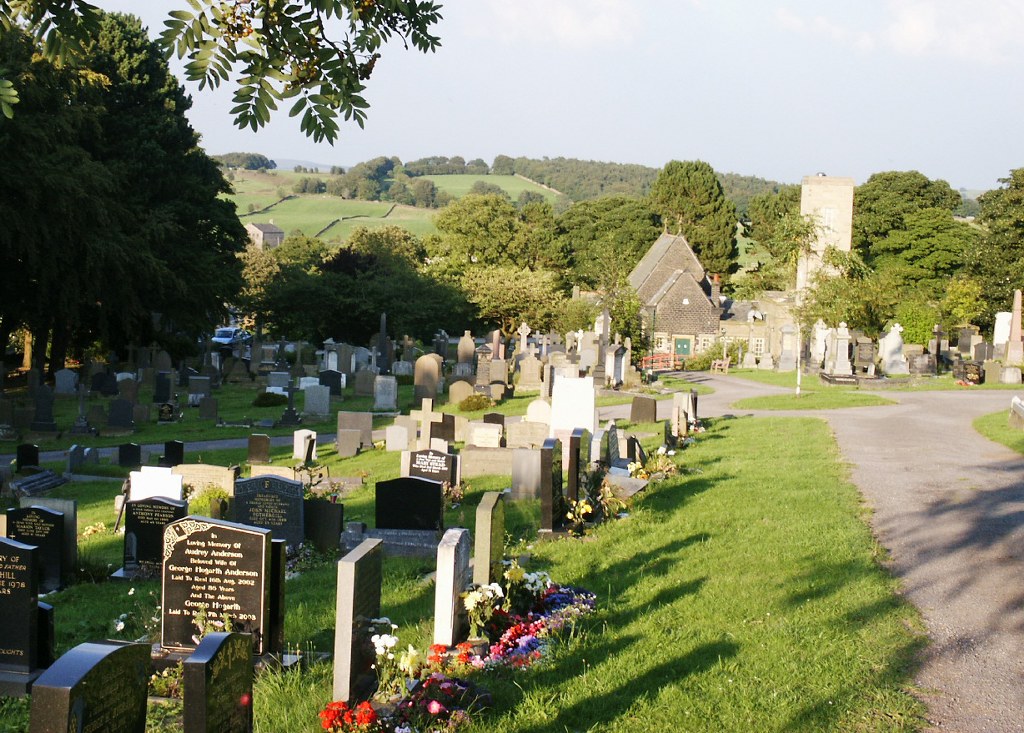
pixel 552 500
pixel 489 545
pixel 361 421
pixel 452 579
pixel 19 633
pixel 97 686
pixel 409 503
pixel 273 503
pixel 144 523
pixel 44 529
pixel 259 448
pixel 219 565
pixel 217 680
pixel 358 601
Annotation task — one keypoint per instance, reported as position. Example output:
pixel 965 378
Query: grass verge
pixel 813 400
pixel 995 426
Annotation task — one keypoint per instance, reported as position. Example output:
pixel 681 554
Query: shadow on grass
pixel 595 710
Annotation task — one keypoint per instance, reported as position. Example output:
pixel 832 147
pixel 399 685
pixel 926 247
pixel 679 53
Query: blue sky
pixel 775 89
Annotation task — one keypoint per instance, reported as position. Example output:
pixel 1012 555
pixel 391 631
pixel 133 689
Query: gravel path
pixel 949 506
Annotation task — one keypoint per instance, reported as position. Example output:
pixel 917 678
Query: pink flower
pixel 434 707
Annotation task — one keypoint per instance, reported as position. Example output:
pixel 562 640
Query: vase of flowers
pixel 480 603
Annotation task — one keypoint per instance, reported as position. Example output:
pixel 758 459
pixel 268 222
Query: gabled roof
pixel 670 249
pixel 266 228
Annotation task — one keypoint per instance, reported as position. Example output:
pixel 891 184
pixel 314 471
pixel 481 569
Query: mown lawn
pixel 743 595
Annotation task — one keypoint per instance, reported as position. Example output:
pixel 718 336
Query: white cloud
pixel 986 32
pixel 567 23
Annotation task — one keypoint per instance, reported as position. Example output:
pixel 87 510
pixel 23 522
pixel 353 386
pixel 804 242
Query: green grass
pixel 996 426
pixel 460 185
pixel 813 400
pixel 897 383
pixel 745 594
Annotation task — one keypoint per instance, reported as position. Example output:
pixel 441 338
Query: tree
pixel 776 255
pixel 767 209
pixel 506 295
pixel 881 204
pixel 503 166
pixel 481 188
pixel 248 161
pixel 928 251
pixel 848 290
pixel 690 201
pixel 275 51
pixel 424 193
pixel 605 238
pixel 997 258
pixel 964 301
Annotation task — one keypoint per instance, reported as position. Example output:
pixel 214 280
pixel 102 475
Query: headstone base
pixel 17 684
pixel 397 542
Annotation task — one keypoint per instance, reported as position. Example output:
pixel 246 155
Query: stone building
pixel 828 200
pixel 265 236
pixel 681 304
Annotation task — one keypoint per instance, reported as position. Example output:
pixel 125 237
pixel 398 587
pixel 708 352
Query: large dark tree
pixel 690 200
pixel 997 260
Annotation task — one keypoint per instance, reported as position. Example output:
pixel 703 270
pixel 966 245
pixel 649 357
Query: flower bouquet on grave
pixel 338 717
pixel 439 703
pixel 388 666
pixel 480 603
pixel 522 589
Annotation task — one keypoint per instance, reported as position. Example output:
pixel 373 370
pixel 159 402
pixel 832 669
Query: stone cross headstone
pixel 290 416
pixel 451 581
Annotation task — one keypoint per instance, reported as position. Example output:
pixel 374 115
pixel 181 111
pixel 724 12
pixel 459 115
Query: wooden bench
pixel 720 365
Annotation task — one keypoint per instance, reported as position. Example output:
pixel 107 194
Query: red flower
pixel 365 714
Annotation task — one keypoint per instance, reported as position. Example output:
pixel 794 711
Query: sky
pixel 777 89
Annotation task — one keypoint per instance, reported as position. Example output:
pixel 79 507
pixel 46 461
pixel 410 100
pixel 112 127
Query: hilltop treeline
pixel 246 161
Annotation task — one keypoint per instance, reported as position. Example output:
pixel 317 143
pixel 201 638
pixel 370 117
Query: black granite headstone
pixel 144 523
pixel 220 566
pixel 42 421
pixel 129 455
pixel 19 587
pixel 552 500
pixel 432 465
pixel 174 453
pixel 217 680
pixel 324 523
pixel 27 454
pixel 259 448
pixel 162 388
pixel 494 418
pixel 635 452
pixel 579 459
pixel 271 502
pixel 121 415
pixel 97 686
pixel 331 378
pixel 445 430
pixel 108 384
pixel 274 639
pixel 43 528
pixel 409 503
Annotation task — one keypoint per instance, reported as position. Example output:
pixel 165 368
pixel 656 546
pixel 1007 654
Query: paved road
pixel 949 506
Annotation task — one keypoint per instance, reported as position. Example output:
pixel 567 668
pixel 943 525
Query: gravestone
pixel 409 503
pixel 42 419
pixel 489 542
pixel 26 455
pixel 200 386
pixel 323 523
pixel 333 380
pixel 466 348
pixel 122 415
pixel 150 481
pixel 427 377
pixel 304 445
pixel 484 435
pixel 43 528
pixel 76 458
pixel 317 400
pixel 273 503
pixel 643 409
pixel 97 686
pixel 552 500
pixel 572 405
pixel 208 408
pixel 526 434
pixel 458 391
pixel 69 508
pixel 279 380
pixel 290 416
pixel 396 438
pixel 217 681
pixel 364 382
pixel 162 388
pixel 202 477
pixel 129 455
pixel 451 581
pixel 433 466
pixel 220 565
pixel 357 603
pixel 538 411
pixel 174 453
pixel 385 394
pixel 347 443
pixel 20 651
pixel 144 523
pixel 361 421
pixel 578 463
pixel 526 474
pixel 259 448
pixel 65 382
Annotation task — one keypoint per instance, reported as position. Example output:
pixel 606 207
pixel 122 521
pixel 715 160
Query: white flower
pixel 131 591
pixel 119 626
pixel 662 450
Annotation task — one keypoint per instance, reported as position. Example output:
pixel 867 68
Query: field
pixel 312 213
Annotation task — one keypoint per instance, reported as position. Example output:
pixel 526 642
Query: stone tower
pixel 829 200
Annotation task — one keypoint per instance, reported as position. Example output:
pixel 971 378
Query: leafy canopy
pixel 315 55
